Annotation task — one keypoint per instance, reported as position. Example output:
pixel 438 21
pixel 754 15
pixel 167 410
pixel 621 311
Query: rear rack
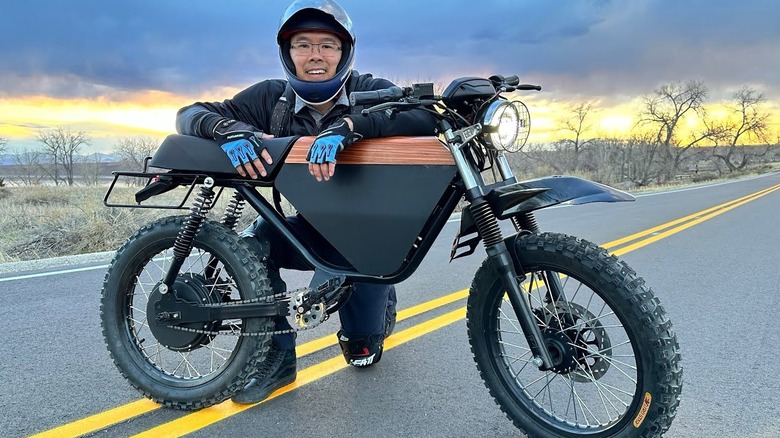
pixel 170 181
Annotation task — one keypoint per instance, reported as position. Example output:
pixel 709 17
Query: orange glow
pixel 153 113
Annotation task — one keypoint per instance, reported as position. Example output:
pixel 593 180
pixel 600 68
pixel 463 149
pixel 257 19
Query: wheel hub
pixel 161 311
pixel 562 353
pixel 579 338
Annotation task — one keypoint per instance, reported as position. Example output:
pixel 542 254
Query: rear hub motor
pixel 161 311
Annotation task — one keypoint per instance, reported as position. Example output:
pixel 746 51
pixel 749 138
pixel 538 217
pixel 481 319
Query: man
pixel 317 51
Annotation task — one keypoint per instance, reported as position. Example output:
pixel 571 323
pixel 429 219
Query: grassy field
pixel 40 222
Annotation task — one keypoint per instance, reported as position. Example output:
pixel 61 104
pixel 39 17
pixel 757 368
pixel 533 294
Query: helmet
pixel 323 15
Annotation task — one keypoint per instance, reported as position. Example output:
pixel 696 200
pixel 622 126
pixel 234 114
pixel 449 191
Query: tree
pixel 62 145
pixel 575 126
pixel 3 143
pixel 663 112
pixel 27 164
pixel 134 150
pixel 748 121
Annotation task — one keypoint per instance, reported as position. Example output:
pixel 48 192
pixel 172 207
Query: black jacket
pixel 255 106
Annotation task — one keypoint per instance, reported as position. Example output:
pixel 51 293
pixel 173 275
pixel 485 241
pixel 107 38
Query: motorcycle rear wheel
pixel 183 370
pixel 617 370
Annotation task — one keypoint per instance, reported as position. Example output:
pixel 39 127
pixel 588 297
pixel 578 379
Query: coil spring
pixel 527 221
pixel 202 204
pixel 233 211
pixel 486 224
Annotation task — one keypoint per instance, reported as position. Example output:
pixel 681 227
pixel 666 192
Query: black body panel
pixel 200 155
pixel 372 214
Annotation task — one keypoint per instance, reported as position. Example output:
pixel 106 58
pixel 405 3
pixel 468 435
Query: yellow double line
pixel 205 417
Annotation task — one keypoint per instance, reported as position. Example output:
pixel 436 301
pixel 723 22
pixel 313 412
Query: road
pixel 716 273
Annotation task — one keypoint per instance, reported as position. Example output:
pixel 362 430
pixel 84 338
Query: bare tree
pixel 575 125
pixel 3 143
pixel 134 150
pixel 62 145
pixel 90 169
pixel 663 112
pixel 27 163
pixel 748 121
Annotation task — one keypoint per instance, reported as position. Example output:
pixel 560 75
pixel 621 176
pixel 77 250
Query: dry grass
pixel 42 221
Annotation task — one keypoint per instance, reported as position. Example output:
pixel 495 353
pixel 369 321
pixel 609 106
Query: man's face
pixel 316 55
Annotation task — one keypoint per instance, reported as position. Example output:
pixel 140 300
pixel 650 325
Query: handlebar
pixel 374 97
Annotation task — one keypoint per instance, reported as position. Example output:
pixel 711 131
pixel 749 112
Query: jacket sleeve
pixel 253 105
pixel 417 122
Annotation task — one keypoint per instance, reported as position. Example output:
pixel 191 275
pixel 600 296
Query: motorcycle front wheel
pixel 181 369
pixel 616 363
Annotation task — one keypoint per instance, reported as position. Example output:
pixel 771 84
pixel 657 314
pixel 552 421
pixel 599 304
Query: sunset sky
pixel 120 69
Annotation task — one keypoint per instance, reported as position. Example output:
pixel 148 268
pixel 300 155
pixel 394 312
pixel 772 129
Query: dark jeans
pixel 364 312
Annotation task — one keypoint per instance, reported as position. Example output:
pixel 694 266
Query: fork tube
pixel 503 168
pixel 497 251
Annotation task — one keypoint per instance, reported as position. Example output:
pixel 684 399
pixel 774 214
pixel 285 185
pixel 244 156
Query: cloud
pixel 93 48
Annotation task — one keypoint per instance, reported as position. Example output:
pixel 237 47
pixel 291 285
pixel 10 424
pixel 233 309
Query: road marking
pixel 46 274
pixel 205 417
pixel 197 420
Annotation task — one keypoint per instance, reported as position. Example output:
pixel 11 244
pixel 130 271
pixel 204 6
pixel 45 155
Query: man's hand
pixel 322 154
pixel 241 142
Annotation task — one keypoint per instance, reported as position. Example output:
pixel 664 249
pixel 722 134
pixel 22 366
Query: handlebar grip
pixel 529 87
pixel 391 94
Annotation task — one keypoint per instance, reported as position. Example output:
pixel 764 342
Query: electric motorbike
pixel 568 339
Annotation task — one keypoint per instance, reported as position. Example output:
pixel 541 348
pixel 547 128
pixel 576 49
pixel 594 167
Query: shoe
pixel 278 370
pixel 361 351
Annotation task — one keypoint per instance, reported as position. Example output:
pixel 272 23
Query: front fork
pixel 495 246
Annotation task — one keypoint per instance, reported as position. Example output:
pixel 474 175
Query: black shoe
pixel 361 351
pixel 277 371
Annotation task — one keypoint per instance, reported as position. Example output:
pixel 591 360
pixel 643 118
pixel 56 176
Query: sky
pixel 123 68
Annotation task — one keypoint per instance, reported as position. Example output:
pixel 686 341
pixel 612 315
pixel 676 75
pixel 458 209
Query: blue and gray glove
pixel 240 142
pixel 330 142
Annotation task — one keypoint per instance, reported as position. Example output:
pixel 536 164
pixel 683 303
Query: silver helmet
pixel 321 15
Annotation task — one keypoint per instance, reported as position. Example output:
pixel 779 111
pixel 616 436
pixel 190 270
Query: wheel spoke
pixel 591 397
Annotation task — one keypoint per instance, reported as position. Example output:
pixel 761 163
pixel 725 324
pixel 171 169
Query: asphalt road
pixel 716 274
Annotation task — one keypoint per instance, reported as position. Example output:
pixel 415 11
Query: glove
pixel 238 140
pixel 330 142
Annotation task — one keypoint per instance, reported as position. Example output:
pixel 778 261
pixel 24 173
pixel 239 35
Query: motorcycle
pixel 567 338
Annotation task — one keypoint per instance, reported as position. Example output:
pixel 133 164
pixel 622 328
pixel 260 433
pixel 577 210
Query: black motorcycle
pixel 567 338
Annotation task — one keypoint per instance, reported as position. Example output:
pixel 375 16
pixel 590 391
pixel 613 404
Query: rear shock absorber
pixel 233 211
pixel 184 241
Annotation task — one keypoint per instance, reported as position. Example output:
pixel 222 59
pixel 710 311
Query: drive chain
pixel 266 299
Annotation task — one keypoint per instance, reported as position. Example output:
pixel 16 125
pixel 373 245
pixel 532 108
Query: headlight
pixel 505 125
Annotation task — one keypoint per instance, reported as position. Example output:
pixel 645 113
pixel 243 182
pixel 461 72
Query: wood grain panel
pixel 387 150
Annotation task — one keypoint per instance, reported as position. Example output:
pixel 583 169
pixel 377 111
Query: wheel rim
pixel 211 353
pixel 580 395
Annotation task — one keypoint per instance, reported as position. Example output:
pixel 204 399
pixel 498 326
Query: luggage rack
pixel 157 183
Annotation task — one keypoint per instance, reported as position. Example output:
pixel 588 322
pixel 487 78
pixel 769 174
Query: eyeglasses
pixel 304 49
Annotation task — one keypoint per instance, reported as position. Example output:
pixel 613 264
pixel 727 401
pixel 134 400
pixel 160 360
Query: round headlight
pixel 506 125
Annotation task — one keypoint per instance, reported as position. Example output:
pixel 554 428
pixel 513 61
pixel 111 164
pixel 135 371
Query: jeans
pixel 363 314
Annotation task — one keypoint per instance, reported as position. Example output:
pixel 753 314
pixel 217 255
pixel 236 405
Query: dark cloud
pixel 591 48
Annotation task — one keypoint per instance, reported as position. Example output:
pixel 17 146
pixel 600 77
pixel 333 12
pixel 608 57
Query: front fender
pixel 535 194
